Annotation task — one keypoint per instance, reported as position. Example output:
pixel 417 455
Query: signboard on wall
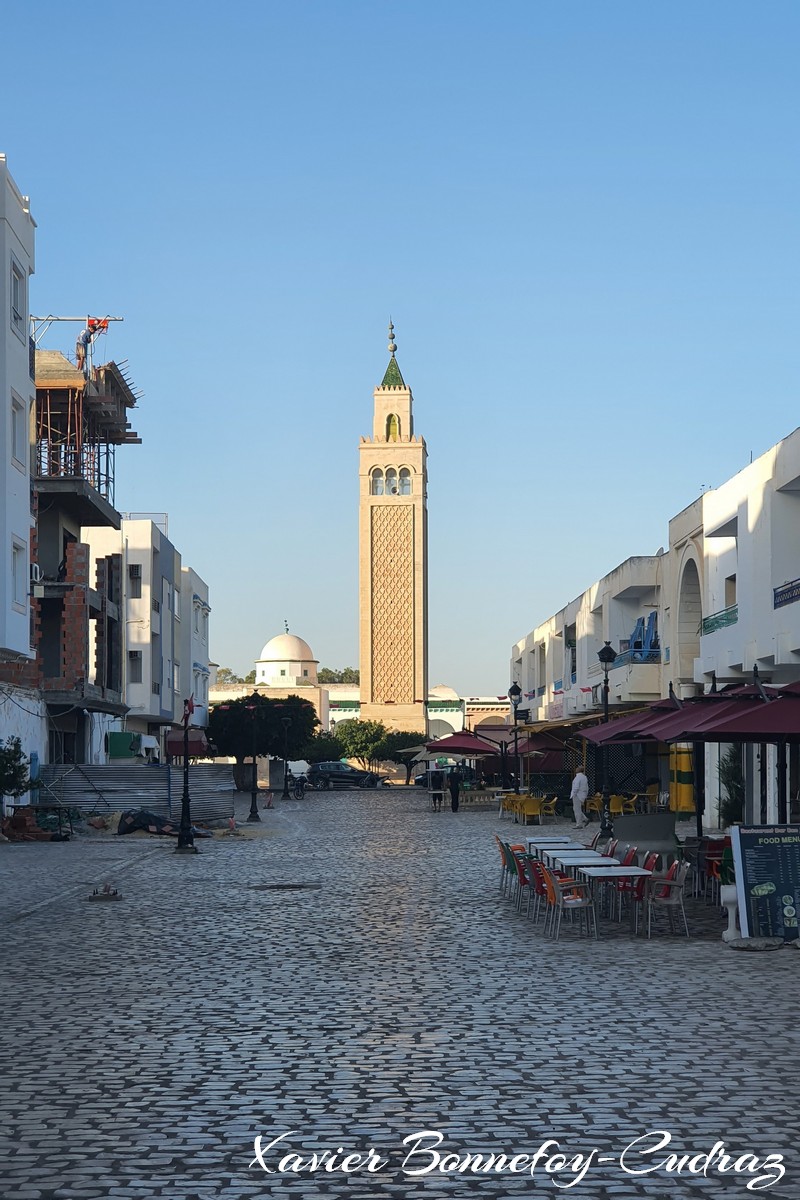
pixel 767 864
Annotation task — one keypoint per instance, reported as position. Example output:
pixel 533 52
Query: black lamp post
pixel 286 722
pixel 607 657
pixel 253 709
pixel 185 840
pixel 515 695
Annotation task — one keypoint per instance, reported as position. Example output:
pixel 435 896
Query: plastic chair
pixel 594 804
pixel 529 806
pixel 634 888
pixel 567 895
pixel 666 892
pixel 548 809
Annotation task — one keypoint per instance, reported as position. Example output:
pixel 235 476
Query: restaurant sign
pixel 767 864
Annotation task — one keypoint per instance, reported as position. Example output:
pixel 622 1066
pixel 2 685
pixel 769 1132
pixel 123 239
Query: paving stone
pixel 150 1044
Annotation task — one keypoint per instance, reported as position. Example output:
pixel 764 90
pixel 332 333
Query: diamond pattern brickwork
pixel 392 586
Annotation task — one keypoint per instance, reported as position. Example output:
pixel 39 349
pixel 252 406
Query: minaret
pixel 393 560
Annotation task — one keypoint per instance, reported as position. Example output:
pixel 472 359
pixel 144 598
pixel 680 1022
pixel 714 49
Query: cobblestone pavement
pixel 148 1042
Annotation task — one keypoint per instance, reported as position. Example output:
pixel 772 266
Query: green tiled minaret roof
pixel 392 378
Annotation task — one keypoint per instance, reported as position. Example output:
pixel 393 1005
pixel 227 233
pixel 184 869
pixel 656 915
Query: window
pixel 19 432
pixel 392 427
pixel 176 600
pixel 283 672
pixel 730 591
pixel 196 619
pixel 405 481
pixel 204 628
pixel 19 574
pixel 176 677
pixel 19 306
pixel 134 666
pixel 134 581
pixel 391 482
pixel 305 672
pixel 376 482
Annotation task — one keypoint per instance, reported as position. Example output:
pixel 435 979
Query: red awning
pixel 777 721
pixel 461 745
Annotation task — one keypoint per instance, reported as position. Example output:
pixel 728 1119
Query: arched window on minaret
pixel 391 482
pixel 376 482
pixel 393 428
pixel 405 481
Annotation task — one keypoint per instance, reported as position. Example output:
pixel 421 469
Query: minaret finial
pixel 286 625
pixel 392 343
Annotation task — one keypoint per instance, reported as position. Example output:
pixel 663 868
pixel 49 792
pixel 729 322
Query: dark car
pixel 338 774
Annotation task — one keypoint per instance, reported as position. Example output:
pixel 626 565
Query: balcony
pixel 626 657
pixel 721 619
pixel 787 593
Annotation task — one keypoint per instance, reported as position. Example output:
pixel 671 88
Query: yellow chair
pixel 594 804
pixel 548 809
pixel 529 806
pixel 616 806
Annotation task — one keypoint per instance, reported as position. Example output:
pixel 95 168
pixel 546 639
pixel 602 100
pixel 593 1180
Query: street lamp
pixel 185 840
pixel 607 657
pixel 286 722
pixel 515 695
pixel 252 708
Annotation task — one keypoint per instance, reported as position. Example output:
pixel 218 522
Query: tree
pixel 359 739
pixel 233 726
pixel 348 675
pixel 14 778
pixel 322 747
pixel 389 747
pixel 250 677
pixel 226 676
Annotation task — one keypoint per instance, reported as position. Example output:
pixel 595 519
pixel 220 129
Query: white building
pixel 166 611
pixel 18 397
pixel 195 669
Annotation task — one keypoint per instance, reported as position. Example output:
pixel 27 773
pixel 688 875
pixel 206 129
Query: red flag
pixel 188 706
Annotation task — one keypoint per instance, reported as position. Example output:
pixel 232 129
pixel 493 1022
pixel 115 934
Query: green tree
pixel 225 676
pixel 322 747
pixel 250 677
pixel 329 675
pixel 14 778
pixel 359 739
pixel 233 726
pixel 388 749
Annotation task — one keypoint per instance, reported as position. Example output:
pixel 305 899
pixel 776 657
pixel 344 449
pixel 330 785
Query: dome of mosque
pixel 286 648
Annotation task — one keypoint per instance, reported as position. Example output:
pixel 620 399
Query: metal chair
pixel 665 892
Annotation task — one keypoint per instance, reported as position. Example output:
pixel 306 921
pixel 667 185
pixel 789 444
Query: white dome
pixel 287 648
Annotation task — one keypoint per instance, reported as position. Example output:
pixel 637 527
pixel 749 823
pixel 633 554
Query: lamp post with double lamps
pixel 286 722
pixel 515 695
pixel 185 839
pixel 607 656
pixel 252 708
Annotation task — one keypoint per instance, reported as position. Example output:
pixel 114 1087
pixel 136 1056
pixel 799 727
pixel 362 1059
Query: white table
pixel 620 872
pixel 599 861
pixel 574 851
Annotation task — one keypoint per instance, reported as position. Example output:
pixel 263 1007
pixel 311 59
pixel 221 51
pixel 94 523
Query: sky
pixel 581 216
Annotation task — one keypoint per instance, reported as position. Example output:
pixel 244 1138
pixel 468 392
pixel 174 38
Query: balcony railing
pixel 720 620
pixel 636 656
pixel 787 593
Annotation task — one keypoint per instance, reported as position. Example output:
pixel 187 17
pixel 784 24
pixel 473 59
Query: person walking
pixel 578 796
pixel 454 784
pixel 436 786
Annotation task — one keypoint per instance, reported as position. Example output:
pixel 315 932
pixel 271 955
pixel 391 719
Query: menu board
pixel 767 863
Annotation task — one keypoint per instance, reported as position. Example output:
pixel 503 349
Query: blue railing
pixel 636 656
pixel 787 593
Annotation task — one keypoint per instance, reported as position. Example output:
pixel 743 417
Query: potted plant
pixel 731 778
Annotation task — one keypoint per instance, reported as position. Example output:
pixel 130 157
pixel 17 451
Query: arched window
pixel 391 482
pixel 376 482
pixel 392 428
pixel 405 481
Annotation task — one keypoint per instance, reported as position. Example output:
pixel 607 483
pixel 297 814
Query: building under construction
pixel 78 634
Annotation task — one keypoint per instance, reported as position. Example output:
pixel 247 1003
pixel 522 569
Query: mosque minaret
pixel 393 559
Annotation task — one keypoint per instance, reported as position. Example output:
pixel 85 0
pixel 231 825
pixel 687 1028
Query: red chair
pixel 634 888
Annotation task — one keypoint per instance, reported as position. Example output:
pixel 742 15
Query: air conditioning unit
pixel 37 575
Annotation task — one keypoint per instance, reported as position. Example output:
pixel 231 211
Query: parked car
pixel 338 774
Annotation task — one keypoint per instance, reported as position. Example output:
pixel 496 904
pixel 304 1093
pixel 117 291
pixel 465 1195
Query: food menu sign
pixel 767 863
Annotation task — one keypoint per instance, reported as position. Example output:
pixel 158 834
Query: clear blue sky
pixel 582 217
